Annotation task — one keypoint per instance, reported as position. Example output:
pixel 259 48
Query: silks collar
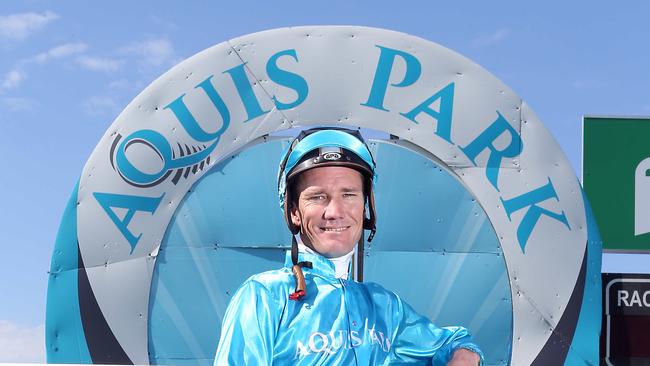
pixel 341 264
pixel 320 265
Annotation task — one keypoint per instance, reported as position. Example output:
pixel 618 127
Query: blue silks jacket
pixel 339 322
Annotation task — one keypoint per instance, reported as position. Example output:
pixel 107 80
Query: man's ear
pixel 295 215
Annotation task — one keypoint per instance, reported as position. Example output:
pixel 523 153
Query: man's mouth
pixel 334 229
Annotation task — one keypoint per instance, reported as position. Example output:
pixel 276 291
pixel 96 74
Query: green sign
pixel 616 179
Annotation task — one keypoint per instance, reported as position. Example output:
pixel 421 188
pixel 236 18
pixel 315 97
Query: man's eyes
pixel 323 197
pixel 320 197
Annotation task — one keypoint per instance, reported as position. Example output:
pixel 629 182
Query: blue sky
pixel 69 67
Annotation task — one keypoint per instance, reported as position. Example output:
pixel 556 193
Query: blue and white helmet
pixel 329 146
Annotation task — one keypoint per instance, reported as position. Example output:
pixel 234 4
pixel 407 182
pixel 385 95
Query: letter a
pixel 442 115
pixel 636 299
pixel 301 350
pixel 133 204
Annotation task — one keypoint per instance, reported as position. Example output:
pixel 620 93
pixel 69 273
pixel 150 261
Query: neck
pixel 341 264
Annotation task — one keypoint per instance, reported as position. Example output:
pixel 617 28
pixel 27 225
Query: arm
pixel 465 357
pixel 249 327
pixel 418 339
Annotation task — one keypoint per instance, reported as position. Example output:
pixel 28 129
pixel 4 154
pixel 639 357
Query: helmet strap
pixel 370 222
pixel 359 266
pixel 373 230
pixel 301 286
pixel 294 250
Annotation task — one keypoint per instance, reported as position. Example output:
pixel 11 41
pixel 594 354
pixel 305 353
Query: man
pixel 309 313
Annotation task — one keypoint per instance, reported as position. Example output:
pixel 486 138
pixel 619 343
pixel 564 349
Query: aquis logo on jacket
pixel 335 340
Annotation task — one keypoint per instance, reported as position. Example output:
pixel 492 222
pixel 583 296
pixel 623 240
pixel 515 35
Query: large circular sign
pixel 436 249
pixel 239 94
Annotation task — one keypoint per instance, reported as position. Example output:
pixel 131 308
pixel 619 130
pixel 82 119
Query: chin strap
pixel 301 287
pixel 359 269
pixel 360 251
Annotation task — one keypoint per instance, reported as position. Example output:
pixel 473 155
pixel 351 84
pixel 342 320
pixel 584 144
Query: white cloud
pixel 119 84
pixel 12 79
pixel 100 105
pixel 17 104
pixel 99 64
pixel 61 51
pixel 157 52
pixel 20 343
pixel 493 38
pixel 20 26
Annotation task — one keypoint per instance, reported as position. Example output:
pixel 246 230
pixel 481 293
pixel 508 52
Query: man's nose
pixel 334 209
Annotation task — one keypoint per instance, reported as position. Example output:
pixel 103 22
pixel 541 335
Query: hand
pixel 464 357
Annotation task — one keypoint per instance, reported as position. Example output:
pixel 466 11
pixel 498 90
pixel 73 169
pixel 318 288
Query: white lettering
pixel 324 342
pixel 373 337
pixel 354 338
pixel 301 350
pixel 623 299
pixel 383 342
pixel 334 345
pixel 331 342
pixel 633 298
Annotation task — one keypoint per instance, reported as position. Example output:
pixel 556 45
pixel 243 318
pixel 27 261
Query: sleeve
pixel 249 327
pixel 417 339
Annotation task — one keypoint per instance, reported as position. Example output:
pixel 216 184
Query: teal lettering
pixel 442 115
pixel 534 212
pixel 188 121
pixel 155 141
pixel 486 141
pixel 246 92
pixel 288 79
pixel 161 147
pixel 382 75
pixel 133 204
